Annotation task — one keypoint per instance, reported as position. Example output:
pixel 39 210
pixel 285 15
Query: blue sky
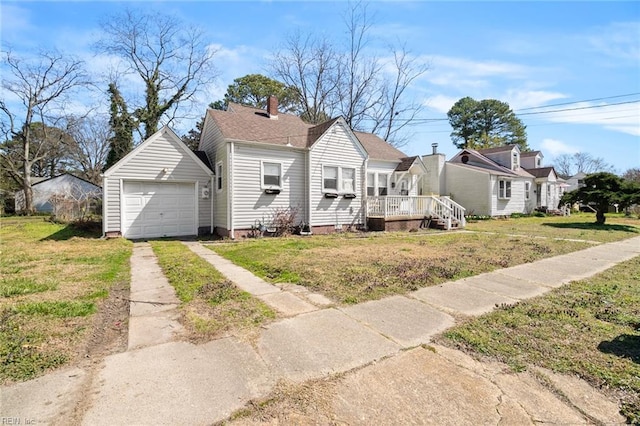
pixel 585 55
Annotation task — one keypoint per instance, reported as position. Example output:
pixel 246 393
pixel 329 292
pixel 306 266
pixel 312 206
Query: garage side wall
pixel 162 160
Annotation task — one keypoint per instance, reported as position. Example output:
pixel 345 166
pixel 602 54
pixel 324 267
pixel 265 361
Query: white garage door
pixel 154 209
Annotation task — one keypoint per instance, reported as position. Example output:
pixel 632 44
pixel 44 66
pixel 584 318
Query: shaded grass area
pixel 353 268
pixel 49 292
pixel 577 226
pixel 212 305
pixel 590 328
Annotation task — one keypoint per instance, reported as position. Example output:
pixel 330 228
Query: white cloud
pixel 517 98
pixel 15 21
pixel 619 40
pixel 555 147
pixel 487 68
pixel 440 103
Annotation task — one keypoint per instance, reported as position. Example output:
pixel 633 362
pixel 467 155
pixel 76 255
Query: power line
pixel 429 120
pixel 581 108
pixel 578 102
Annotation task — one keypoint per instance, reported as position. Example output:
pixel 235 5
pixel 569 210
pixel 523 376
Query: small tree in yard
pixel 602 190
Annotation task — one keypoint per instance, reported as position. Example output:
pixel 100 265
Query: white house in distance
pixel 48 192
pixel 494 182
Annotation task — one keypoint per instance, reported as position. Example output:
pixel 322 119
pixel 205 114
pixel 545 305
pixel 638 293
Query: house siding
pixel 221 201
pixel 250 203
pixel 213 144
pixel 470 188
pixel 505 207
pixel 147 165
pixel 336 149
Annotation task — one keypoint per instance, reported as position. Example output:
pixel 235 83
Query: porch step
pixel 442 224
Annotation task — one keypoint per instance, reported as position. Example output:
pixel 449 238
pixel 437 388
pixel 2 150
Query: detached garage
pixel 160 189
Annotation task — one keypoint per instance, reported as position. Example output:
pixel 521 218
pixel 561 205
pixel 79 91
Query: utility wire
pixel 578 102
pixel 581 108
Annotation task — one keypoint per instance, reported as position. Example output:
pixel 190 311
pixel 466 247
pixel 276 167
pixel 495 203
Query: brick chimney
pixel 272 107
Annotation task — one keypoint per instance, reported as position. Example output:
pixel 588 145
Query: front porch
pixel 396 212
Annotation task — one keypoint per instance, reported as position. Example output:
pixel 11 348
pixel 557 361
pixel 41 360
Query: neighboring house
pixel 576 181
pixel 495 182
pixel 160 189
pixel 52 194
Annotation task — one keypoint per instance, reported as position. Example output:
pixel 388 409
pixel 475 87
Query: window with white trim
pixel 348 180
pixel 271 175
pixel 504 189
pixel 371 184
pixel 330 179
pixel 383 184
pixel 527 190
pixel 219 170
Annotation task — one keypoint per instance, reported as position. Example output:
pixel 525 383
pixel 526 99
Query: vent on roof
pixel 465 159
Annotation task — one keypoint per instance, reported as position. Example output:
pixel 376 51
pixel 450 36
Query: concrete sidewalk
pixel 174 382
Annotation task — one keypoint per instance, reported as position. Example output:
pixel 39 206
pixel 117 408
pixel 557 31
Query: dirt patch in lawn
pixel 110 327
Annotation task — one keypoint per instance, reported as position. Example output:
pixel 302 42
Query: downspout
pixel 363 189
pixel 211 192
pixel 308 177
pixel 230 192
pixel 491 194
pixel 104 206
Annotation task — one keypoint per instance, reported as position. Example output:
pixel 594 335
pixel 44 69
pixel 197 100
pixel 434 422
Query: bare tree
pixel 312 66
pixel 394 113
pixel 581 162
pixel 75 202
pixel 367 90
pixel 358 92
pixel 171 59
pixel 90 145
pixel 40 84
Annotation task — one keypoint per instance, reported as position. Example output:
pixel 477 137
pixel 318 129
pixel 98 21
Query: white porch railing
pixel 416 206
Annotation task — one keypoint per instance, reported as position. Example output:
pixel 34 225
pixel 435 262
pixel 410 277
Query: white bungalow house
pixel 495 182
pixel 333 178
pixel 253 164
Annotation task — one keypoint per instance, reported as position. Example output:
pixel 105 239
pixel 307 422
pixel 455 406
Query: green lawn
pixel 53 280
pixel 590 328
pixel 577 226
pixel 352 268
pixel 212 305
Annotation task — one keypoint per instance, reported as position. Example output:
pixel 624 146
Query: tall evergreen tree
pixel 485 124
pixel 122 124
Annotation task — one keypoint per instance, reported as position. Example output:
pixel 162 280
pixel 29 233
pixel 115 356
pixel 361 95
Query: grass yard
pixel 577 226
pixel 55 283
pixel 353 270
pixel 590 328
pixel 211 304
